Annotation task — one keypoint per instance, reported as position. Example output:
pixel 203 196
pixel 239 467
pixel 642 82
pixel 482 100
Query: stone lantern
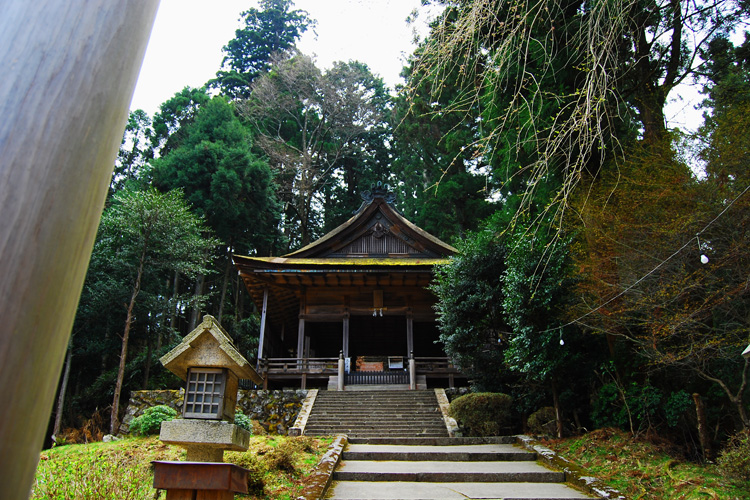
pixel 211 367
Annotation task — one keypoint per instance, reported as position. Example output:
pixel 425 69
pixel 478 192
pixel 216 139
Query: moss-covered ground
pixel 648 469
pixel 122 470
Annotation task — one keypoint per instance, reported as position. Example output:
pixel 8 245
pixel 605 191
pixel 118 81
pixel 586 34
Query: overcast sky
pixel 185 45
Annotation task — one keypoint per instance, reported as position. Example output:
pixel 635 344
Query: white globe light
pixel 704 259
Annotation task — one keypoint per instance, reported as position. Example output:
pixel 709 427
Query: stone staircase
pixel 371 414
pixel 444 469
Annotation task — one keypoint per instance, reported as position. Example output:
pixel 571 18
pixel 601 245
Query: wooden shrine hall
pixel 359 291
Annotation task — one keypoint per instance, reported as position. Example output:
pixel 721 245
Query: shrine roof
pixel 302 264
pixel 377 209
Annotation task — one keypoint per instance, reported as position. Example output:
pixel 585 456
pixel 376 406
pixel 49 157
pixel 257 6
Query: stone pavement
pixel 449 468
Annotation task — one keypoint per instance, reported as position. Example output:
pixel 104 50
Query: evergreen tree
pixel 140 234
pixel 270 30
pixel 226 183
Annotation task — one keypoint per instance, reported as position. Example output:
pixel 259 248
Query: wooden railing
pixel 377 378
pixel 299 365
pixel 304 368
pixel 434 365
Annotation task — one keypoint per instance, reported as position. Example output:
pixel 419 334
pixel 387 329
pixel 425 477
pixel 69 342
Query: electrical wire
pixel 652 271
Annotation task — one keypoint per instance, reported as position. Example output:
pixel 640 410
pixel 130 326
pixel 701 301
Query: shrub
pixel 734 459
pixel 242 420
pixel 482 413
pixel 543 421
pixel 150 421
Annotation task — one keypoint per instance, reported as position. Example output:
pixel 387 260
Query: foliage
pixel 169 124
pixel 221 178
pixel 543 421
pixel 150 421
pixel 317 127
pixel 243 421
pixel 647 468
pixel 638 407
pixel 142 235
pixel 469 308
pixel 482 413
pixel 734 459
pixel 271 30
pixel 673 310
pixel 135 152
pixel 567 79
pixel 444 178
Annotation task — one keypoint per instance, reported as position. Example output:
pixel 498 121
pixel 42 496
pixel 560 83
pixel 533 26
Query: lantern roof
pixel 208 346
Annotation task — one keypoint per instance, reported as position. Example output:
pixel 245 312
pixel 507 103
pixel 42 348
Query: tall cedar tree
pixel 273 29
pixel 224 181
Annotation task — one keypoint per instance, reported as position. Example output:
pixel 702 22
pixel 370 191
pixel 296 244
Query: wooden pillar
pixel 69 70
pixel 345 342
pixel 409 332
pixel 301 339
pixel 301 331
pixel 263 318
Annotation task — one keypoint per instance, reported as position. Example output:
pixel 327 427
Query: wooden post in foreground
pixel 69 70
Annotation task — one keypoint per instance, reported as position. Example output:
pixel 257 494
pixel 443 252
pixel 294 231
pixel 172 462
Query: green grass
pixel 122 470
pixel 640 469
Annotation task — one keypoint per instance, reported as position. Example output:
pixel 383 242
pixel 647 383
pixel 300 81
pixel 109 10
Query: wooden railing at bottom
pixel 434 365
pixel 281 368
pixel 299 365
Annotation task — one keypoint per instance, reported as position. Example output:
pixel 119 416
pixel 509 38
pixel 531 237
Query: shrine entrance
pixel 361 290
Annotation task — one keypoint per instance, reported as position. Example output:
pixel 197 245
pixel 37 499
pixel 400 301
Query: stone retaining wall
pixel 276 411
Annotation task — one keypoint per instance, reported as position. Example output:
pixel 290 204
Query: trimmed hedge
pixel 543 421
pixel 482 413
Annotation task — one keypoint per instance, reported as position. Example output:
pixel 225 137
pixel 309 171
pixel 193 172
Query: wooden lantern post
pixel 69 70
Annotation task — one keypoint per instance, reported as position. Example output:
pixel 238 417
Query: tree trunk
pixel 147 363
pixel 703 436
pixel 225 284
pixel 63 389
pixel 558 413
pixel 175 292
pixel 195 315
pixel 736 399
pixel 115 418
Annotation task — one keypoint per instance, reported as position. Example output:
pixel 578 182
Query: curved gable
pixel 376 231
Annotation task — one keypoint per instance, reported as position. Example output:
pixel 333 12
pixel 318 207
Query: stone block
pixel 207 433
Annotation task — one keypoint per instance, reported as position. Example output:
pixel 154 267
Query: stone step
pixel 373 424
pixel 372 490
pixel 377 394
pixel 445 453
pixel 445 471
pixel 329 417
pixel 375 433
pixel 448 441
pixel 368 415
pixel 379 410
